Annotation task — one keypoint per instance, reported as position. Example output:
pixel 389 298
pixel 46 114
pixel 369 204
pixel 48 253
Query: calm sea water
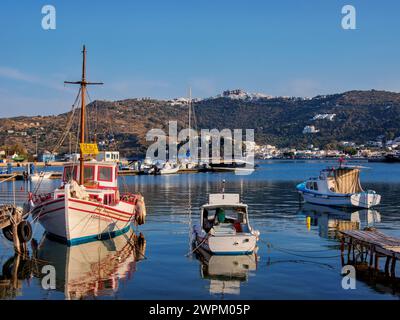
pixel 294 261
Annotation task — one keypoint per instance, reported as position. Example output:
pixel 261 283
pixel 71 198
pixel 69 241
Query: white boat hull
pixel 169 171
pixel 358 200
pixel 239 244
pixel 78 221
pixel 40 176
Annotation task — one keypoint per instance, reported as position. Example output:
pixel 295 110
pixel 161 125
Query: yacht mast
pixel 190 115
pixel 83 83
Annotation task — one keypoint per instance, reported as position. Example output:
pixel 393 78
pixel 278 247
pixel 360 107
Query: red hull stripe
pixel 100 214
pixel 111 216
pixel 101 206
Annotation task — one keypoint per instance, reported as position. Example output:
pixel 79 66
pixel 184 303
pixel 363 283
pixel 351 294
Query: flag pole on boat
pixel 83 83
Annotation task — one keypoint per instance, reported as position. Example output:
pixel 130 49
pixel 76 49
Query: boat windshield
pixel 236 216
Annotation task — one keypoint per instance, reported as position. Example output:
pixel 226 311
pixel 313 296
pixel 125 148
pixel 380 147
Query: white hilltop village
pixel 236 94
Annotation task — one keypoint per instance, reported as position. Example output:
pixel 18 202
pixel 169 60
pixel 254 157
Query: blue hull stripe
pixel 229 253
pixel 86 239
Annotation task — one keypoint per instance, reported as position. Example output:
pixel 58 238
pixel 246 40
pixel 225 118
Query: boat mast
pixel 190 115
pixel 83 83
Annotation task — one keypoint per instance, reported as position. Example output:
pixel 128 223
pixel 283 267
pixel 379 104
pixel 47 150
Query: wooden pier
pixel 371 245
pixel 20 176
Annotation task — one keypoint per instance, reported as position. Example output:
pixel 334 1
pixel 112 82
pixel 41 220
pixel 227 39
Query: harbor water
pixel 298 254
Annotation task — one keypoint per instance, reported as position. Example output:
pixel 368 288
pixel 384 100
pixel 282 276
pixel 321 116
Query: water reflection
pixel 14 271
pixel 226 273
pixel 84 271
pixel 332 220
pixel 95 268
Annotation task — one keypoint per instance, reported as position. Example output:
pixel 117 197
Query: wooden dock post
pixel 393 267
pixel 376 262
pixel 349 249
pixel 387 264
pixel 371 257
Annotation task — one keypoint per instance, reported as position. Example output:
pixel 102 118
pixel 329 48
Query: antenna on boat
pixel 83 83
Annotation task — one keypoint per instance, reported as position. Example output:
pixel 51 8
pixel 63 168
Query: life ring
pixel 140 210
pixel 24 231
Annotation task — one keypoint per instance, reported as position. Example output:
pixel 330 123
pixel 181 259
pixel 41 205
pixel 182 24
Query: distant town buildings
pixel 47 157
pixel 310 129
pixel 325 116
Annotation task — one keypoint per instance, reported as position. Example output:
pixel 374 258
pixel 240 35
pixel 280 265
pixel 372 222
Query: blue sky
pixel 160 48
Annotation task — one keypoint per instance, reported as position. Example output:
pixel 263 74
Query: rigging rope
pixel 69 124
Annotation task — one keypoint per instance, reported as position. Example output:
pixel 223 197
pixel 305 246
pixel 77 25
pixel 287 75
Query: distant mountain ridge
pixel 359 116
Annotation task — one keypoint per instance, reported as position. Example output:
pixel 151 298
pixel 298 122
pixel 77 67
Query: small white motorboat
pixel 42 175
pixel 339 187
pixel 225 227
pixel 169 168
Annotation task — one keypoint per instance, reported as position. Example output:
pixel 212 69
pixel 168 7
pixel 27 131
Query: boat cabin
pixel 96 174
pixel 225 212
pixel 100 180
pixel 343 180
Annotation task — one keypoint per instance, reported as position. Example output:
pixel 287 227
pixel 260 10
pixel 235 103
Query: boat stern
pixel 234 245
pixel 367 199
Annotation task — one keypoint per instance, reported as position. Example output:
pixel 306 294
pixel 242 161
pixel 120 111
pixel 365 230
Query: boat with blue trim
pixel 88 205
pixel 339 187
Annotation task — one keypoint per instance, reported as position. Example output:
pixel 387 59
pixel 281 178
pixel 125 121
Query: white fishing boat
pixel 169 168
pixel 225 227
pixel 338 187
pixel 88 205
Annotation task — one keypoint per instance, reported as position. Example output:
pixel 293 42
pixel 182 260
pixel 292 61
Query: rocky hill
pixel 357 116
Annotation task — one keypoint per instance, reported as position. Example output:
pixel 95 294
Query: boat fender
pixel 24 231
pixel 140 209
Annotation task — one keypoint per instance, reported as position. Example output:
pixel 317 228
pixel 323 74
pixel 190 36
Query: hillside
pixel 357 116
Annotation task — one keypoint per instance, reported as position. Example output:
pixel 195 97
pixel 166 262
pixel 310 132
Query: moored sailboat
pixel 88 205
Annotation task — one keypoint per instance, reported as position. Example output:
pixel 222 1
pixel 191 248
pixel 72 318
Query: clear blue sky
pixel 160 48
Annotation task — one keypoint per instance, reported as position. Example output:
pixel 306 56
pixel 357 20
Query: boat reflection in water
pixel 226 273
pixel 332 220
pixel 95 268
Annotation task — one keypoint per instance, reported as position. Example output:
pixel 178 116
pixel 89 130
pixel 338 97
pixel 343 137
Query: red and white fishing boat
pixel 87 206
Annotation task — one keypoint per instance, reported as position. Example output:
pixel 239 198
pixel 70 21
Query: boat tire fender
pixel 24 231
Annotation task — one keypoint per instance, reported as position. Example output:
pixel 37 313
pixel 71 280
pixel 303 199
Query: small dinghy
pixel 339 187
pixel 225 227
